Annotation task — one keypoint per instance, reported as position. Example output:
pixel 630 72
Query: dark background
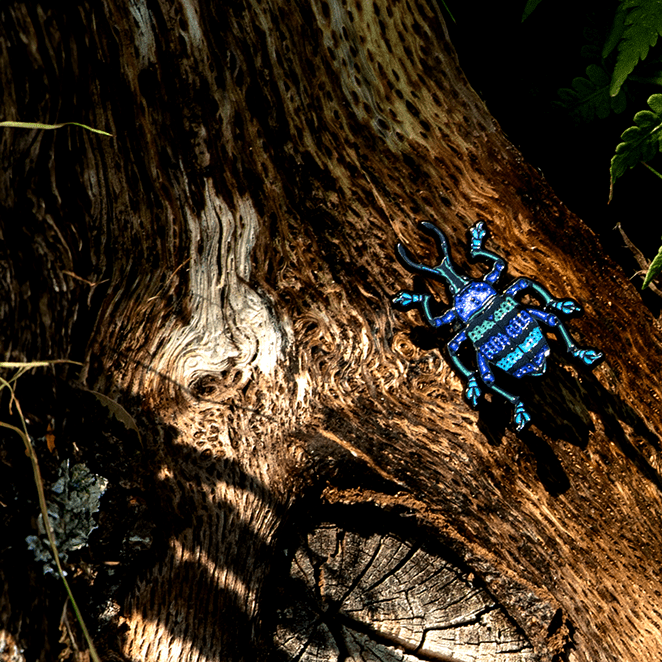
pixel 518 67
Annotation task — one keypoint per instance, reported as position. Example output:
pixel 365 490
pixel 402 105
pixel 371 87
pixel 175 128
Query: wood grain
pixel 241 228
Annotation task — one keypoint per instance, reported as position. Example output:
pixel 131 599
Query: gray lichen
pixel 72 504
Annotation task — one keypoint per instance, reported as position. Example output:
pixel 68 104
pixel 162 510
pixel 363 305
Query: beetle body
pixel 503 332
pixel 506 335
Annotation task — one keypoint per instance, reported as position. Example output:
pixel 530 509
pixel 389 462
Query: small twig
pixel 92 284
pixel 172 275
pixel 640 258
pixel 84 280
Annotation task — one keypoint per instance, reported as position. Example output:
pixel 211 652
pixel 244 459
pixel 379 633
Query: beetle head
pixel 472 298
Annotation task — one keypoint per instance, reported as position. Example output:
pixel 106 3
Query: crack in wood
pixel 400 597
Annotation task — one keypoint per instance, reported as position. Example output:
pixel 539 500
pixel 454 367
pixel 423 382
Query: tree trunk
pixel 311 483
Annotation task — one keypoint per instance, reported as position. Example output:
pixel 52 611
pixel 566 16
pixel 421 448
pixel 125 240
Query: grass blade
pixel 39 125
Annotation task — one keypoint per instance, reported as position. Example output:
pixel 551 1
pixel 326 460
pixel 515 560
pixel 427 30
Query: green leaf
pixel 654 269
pixel 39 125
pixel 642 26
pixel 640 142
pixel 617 29
pixel 589 97
pixel 530 6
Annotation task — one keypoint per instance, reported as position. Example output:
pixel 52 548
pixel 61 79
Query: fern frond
pixel 640 142
pixel 530 6
pixel 590 96
pixel 643 25
pixel 654 269
pixel 617 29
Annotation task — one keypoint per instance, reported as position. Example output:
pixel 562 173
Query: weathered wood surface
pixel 239 231
pixel 380 596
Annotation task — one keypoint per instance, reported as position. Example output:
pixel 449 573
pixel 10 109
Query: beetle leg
pixel 564 306
pixel 478 234
pixel 406 299
pixel 484 367
pixel 472 392
pixel 522 417
pixel 441 320
pixel 586 356
pixel 547 318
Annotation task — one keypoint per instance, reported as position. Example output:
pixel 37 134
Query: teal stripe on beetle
pixel 486 327
pixel 504 309
pixel 516 355
pixel 481 330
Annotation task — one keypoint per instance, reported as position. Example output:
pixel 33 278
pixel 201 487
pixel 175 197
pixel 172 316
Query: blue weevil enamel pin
pixel 503 331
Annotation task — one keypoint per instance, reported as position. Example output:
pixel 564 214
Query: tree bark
pixel 312 484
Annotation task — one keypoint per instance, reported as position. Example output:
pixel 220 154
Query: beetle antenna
pixel 414 266
pixel 446 268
